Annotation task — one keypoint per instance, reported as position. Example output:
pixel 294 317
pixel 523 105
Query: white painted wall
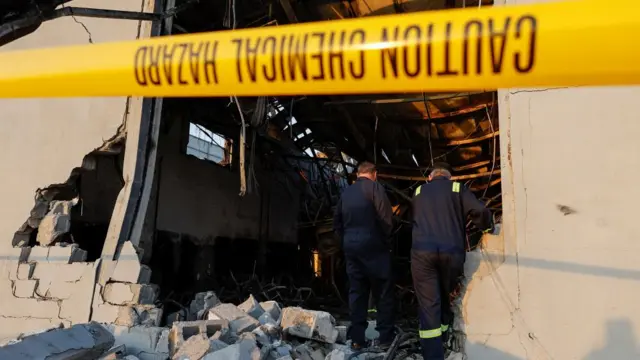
pixel 570 284
pixel 43 139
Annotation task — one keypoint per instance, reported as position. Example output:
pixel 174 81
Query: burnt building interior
pixel 246 187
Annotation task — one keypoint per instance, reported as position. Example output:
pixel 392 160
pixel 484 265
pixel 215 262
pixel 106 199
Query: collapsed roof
pixel 404 134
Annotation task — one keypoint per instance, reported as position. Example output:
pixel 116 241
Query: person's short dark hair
pixel 366 167
pixel 440 166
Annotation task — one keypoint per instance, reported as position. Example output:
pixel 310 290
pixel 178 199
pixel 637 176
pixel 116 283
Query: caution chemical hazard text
pixel 551 44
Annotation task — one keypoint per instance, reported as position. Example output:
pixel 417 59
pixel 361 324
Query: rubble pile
pixel 207 330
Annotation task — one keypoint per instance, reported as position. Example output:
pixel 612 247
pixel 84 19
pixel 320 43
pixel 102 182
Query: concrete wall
pixel 570 280
pixel 200 198
pixel 42 141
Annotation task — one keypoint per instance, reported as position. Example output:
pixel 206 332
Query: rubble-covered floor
pixel 211 330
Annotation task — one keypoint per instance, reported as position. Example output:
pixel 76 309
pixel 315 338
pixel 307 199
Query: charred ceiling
pixel 404 134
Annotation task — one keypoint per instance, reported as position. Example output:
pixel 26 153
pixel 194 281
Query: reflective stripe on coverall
pixel 440 209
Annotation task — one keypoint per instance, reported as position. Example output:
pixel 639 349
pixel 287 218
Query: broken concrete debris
pixel 230 332
pixel 308 324
pixel 272 308
pixel 127 268
pixel 252 307
pixel 130 294
pixel 84 341
pixel 201 303
pixel 56 222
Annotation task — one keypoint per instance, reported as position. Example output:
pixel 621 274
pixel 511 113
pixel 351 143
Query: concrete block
pixel 148 315
pixel 183 330
pixel 227 312
pixel 24 271
pixel 106 270
pixel 12 328
pixel 180 315
pixel 280 350
pixel 129 294
pixel 243 324
pixel 194 348
pixel 114 314
pixel 128 267
pixel 217 345
pixel 252 307
pixel 24 288
pixel 66 254
pixel 266 319
pixel 39 254
pixel 337 354
pixel 308 324
pixel 56 222
pixel 11 258
pixel 273 308
pixel 261 337
pixel 201 303
pixel 55 290
pixel 84 341
pixel 244 350
pixel 163 342
pixel 143 342
pixel 52 227
pixel 33 308
pixel 77 296
pixel 61 272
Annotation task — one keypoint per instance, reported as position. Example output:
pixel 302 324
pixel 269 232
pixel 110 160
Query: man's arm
pixel 474 208
pixel 383 208
pixel 338 225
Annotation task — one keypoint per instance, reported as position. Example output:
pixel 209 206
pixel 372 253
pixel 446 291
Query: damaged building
pixel 157 216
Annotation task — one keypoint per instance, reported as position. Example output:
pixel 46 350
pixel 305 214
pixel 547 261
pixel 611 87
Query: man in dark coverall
pixel 440 210
pixel 363 221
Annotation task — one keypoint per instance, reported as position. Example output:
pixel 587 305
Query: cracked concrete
pixel 51 126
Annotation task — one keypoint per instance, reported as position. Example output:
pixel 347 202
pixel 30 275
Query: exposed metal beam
pixel 119 14
pixel 288 10
pixel 27 24
pixel 397 191
pixel 404 100
pixel 473 140
pixel 426 168
pixel 424 178
pixel 309 158
pixel 482 187
pixel 106 14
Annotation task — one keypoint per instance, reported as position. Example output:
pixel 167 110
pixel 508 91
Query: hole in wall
pixel 78 210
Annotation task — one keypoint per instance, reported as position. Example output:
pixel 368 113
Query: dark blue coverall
pixel 363 220
pixel 440 210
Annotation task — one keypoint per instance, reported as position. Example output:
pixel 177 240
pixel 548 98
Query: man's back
pixel 440 209
pixel 364 216
pixel 363 220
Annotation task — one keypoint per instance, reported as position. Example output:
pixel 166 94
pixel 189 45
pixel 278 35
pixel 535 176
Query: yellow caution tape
pixel 557 44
